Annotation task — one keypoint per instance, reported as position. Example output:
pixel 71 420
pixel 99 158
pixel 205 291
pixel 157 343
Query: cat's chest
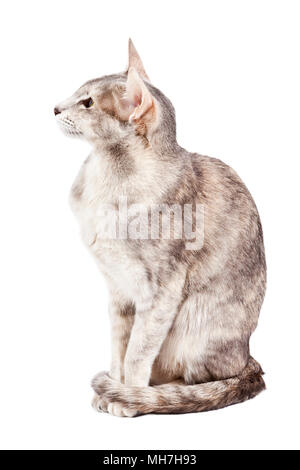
pixel 117 259
pixel 84 208
pixel 89 193
pixel 88 208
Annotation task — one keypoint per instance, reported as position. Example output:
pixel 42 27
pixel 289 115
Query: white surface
pixel 232 71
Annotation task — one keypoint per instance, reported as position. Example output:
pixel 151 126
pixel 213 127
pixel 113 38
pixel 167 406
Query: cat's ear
pixel 138 98
pixel 135 61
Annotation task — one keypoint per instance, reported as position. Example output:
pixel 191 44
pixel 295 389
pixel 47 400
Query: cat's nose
pixel 56 111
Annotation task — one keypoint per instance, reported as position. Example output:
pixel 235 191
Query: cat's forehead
pixel 99 85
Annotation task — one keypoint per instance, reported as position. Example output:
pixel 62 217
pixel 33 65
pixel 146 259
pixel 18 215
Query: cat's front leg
pixel 148 333
pixel 121 314
pixel 149 330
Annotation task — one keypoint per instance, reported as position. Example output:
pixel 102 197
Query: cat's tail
pixel 174 398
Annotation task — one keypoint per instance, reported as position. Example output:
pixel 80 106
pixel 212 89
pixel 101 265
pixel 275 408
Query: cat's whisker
pixel 68 127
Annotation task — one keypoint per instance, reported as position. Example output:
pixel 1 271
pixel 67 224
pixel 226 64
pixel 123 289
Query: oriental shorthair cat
pixel 183 306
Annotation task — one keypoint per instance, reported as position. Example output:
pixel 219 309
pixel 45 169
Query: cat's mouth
pixel 68 127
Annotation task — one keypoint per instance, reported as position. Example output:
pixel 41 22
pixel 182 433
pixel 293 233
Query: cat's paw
pixel 99 403
pixel 106 397
pixel 115 409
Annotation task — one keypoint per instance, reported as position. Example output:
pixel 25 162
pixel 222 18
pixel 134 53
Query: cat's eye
pixel 88 103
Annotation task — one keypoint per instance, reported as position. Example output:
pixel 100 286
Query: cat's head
pixel 115 106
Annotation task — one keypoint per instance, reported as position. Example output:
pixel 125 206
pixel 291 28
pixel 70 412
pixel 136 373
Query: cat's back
pixel 225 197
pixel 233 237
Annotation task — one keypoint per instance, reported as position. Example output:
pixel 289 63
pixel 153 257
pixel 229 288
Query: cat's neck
pixel 131 167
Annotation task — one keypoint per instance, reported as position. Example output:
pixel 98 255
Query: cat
pixel 181 318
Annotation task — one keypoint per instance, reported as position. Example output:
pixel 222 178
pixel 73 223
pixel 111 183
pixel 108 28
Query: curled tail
pixel 174 398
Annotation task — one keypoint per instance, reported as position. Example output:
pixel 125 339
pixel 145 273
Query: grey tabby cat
pixel 181 318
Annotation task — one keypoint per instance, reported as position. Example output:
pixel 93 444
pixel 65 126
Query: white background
pixel 232 71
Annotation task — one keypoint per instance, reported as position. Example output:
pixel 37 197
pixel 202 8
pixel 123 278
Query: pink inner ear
pixel 137 99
